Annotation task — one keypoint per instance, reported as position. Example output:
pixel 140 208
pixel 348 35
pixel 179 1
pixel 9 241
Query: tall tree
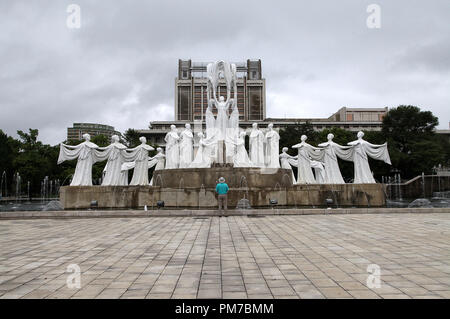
pixel 412 141
pixel 131 138
pixel 290 135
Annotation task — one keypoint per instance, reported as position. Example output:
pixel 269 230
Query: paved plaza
pixel 323 256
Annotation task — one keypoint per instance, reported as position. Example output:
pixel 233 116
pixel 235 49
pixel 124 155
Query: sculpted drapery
pixel 85 153
pixel 114 154
pixel 272 148
pixel 257 146
pixel 172 148
pixel 139 155
pixel 186 147
pixel 361 150
pixel 332 152
pixel 306 154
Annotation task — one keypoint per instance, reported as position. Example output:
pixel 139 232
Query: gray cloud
pixel 119 67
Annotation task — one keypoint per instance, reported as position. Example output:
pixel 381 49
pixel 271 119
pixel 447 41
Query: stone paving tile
pixel 323 256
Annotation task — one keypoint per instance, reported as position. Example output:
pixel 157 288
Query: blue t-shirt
pixel 222 188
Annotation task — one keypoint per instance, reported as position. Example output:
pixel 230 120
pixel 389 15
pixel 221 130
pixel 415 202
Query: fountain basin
pixel 314 195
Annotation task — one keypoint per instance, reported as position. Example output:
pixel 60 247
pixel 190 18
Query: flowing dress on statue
pixel 172 150
pixel 205 153
pixel 159 161
pixel 257 148
pixel 361 150
pixel 139 155
pixel 186 148
pixel 222 120
pixel 124 172
pixel 332 152
pixel 285 160
pixel 86 158
pixel 241 158
pixel 306 152
pixel 232 133
pixel 210 123
pixel 272 149
pixel 114 153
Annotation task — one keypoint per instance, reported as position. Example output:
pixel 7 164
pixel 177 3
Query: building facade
pixel 75 133
pixel 191 103
pixel 191 96
pixel 361 119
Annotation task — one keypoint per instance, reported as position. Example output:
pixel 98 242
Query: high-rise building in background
pixel 75 133
pixel 190 103
pixel 191 97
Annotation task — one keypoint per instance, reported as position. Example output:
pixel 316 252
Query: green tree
pixel 412 142
pixel 32 162
pixel 290 136
pixel 131 138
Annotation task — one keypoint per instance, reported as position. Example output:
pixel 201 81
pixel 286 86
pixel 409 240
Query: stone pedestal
pixel 195 188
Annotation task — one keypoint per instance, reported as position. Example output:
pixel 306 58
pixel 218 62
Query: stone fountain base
pixel 195 188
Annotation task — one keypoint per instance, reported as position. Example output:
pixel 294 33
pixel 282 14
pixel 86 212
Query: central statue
pixel 225 127
pixel 218 127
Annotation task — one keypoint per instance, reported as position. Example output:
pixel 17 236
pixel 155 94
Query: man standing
pixel 222 190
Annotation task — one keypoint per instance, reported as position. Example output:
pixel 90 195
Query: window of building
pixel 184 99
pixel 255 103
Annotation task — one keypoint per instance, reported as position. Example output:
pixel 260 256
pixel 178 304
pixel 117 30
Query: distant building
pixel 352 119
pixel 191 97
pixel 75 133
pixel 444 132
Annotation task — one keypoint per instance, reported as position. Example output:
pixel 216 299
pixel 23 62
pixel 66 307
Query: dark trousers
pixel 222 199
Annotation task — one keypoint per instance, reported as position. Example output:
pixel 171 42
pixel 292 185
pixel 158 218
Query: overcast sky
pixel 119 67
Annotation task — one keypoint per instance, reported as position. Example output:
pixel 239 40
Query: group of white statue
pixel 323 160
pixel 263 148
pixel 119 158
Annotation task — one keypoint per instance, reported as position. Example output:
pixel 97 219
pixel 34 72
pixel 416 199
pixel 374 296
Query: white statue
pixel 332 152
pixel 232 135
pixel 172 148
pixel 86 158
pixel 158 160
pixel 114 153
pixel 257 146
pixel 139 155
pixel 223 128
pixel 186 147
pixel 124 172
pixel 307 153
pixel 205 152
pixel 210 121
pixel 241 158
pixel 287 160
pixel 361 149
pixel 222 117
pixel 319 170
pixel 272 148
